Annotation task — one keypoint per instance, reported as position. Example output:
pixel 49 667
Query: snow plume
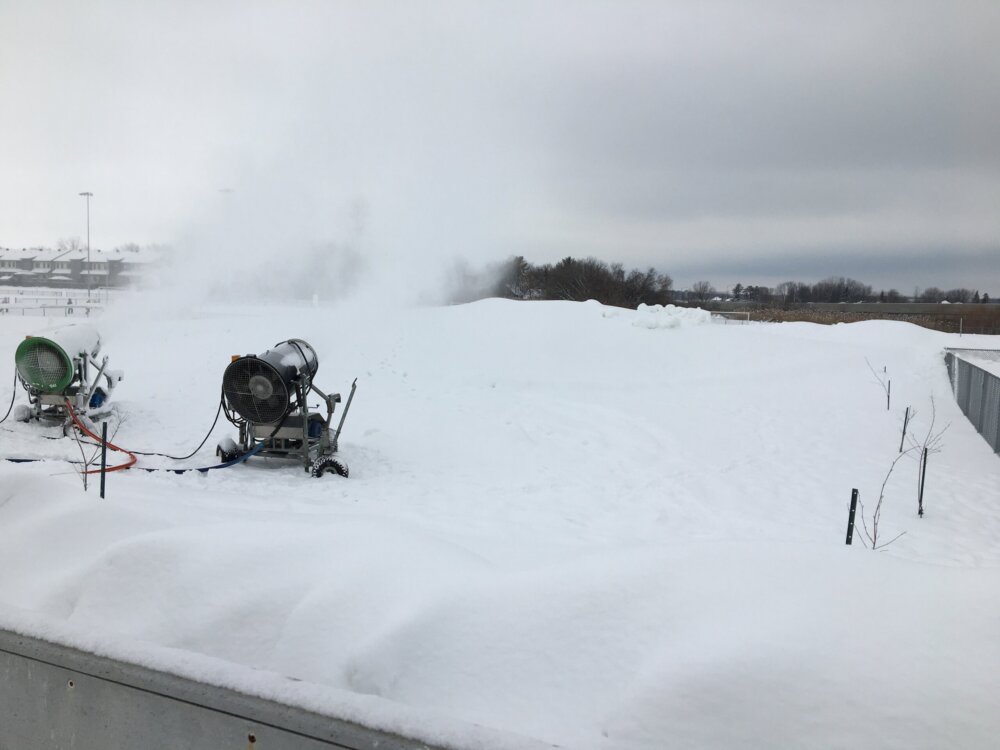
pixel 465 283
pixel 259 245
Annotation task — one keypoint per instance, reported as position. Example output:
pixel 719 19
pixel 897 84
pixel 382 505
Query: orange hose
pixel 80 426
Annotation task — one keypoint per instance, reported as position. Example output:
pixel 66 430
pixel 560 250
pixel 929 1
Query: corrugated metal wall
pixel 977 393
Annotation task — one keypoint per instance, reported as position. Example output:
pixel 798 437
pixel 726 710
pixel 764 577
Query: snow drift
pixel 567 523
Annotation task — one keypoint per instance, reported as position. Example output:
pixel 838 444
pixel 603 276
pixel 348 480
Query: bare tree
pixel 925 446
pixel 959 295
pixel 69 244
pixel 702 290
pixel 870 527
pixel 882 380
pixel 89 460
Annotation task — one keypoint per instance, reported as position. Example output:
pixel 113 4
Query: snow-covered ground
pixel 565 523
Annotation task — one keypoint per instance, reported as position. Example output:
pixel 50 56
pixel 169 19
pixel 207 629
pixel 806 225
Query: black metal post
pixel 923 477
pixel 888 395
pixel 104 454
pixel 850 518
pixel 906 421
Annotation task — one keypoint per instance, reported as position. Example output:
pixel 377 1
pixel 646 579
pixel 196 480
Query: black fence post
pixel 850 518
pixel 923 477
pixel 104 454
pixel 906 421
pixel 888 395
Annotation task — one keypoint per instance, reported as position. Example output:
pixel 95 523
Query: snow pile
pixel 554 529
pixel 669 316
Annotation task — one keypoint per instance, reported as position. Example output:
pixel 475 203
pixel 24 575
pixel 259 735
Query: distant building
pixel 54 268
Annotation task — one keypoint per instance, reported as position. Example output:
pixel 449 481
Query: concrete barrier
pixel 57 698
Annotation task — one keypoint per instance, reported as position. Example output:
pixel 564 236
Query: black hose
pixel 13 394
pixel 222 402
pixel 182 458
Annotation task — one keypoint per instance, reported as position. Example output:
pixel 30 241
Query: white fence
pixel 730 315
pixel 57 303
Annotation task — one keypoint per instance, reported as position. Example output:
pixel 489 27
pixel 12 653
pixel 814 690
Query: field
pixel 973 319
pixel 565 523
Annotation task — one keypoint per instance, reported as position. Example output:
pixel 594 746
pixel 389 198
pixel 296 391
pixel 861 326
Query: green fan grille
pixel 43 364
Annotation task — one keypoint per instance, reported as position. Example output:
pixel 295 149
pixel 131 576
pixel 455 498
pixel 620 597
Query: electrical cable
pixel 13 394
pixel 205 469
pixel 234 419
pixel 83 428
pixel 201 469
pixel 133 454
pixel 189 455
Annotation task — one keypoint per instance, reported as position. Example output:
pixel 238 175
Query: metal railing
pixel 52 311
pixel 52 303
pixel 976 390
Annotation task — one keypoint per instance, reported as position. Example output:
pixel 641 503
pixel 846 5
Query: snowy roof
pixel 985 359
pixel 21 253
pixel 145 256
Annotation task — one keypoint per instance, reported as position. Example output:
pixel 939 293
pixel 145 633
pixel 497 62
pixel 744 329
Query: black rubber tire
pixel 329 464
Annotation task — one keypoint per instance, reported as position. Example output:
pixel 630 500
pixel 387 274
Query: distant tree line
pixel 569 279
pixel 580 279
pixel 836 289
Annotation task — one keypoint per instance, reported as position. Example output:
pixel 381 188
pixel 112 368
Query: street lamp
pixel 88 196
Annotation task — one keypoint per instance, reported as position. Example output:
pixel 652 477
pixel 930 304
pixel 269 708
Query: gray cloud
pixel 690 136
pixel 902 268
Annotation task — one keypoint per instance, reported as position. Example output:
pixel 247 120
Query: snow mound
pixel 669 316
pixel 554 529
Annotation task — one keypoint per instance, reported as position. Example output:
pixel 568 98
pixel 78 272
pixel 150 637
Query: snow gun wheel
pixel 22 413
pixel 227 450
pixel 331 464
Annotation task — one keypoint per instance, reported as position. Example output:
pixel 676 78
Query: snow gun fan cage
pixel 60 371
pixel 265 396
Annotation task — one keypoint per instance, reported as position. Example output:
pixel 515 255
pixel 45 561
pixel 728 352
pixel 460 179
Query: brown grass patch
pixel 985 321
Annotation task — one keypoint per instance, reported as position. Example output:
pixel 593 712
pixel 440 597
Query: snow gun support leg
pixel 343 416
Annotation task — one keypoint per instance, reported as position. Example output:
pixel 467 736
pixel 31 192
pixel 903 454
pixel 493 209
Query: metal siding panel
pixel 975 394
pixel 54 698
pixel 964 373
pixel 991 422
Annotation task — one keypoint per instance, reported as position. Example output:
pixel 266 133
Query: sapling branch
pixel 932 442
pixel 883 381
pixel 870 536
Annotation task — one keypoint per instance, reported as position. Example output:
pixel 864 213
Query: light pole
pixel 88 196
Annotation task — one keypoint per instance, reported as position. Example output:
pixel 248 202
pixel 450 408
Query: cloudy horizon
pixel 725 141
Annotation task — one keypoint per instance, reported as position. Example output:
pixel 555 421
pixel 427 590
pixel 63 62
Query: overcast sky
pixel 729 141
